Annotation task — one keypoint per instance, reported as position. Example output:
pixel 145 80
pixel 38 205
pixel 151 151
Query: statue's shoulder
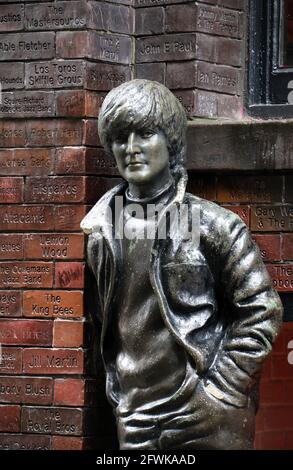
pixel 213 215
pixel 97 216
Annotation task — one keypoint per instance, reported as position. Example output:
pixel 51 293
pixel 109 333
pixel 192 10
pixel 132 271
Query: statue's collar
pixel 97 218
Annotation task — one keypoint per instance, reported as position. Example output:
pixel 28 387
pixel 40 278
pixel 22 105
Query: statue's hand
pixel 212 416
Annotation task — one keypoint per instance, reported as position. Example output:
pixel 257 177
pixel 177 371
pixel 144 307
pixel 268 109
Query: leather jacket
pixel 215 298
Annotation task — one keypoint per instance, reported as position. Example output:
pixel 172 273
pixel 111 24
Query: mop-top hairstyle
pixel 144 105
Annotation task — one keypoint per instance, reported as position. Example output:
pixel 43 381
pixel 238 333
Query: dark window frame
pixel 267 82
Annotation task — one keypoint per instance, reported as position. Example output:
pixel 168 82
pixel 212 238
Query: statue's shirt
pixel 151 367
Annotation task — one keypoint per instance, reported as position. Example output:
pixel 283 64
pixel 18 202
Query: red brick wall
pixel 197 49
pixel 54 77
pixel 264 202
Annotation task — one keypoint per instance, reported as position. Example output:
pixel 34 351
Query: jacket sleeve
pixel 254 316
pixel 94 260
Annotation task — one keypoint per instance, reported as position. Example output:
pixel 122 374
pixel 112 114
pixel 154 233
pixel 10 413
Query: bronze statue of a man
pixel 186 321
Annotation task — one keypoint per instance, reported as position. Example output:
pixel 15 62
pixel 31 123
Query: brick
pixel 26 332
pixel 272 440
pixel 272 392
pixel 78 392
pixel 70 160
pixel 69 392
pixel 287 246
pixel 76 160
pixel 154 71
pixel 221 50
pixel 186 98
pixel 11 190
pixel 288 389
pixel 104 184
pixel 270 246
pixel 181 18
pixel 278 417
pixel 288 438
pixel 55 74
pixel 53 303
pixel 26 217
pixel 24 442
pixel 68 217
pixel 46 133
pixel 209 104
pixel 44 420
pixel 77 44
pixel 114 18
pixel 9 418
pixel 68 334
pixel 26 274
pixel 219 78
pixel 104 77
pixel 231 106
pixel 53 361
pixel 64 15
pixel 67 443
pixel 181 75
pixel 266 370
pixel 79 103
pixel 55 189
pixel 242 211
pixel 218 21
pixel 91 136
pixel 205 104
pixel 97 186
pixel 11 360
pixel 281 369
pixel 26 46
pixel 69 275
pixel 249 189
pixel 202 186
pixel 19 104
pixel 272 218
pixel 11 18
pixel 10 303
pixel 31 162
pixel 12 134
pixel 99 163
pixel 282 276
pixel 169 47
pixel 26 390
pixel 93 45
pixel 149 21
pixel 54 246
pixel 11 246
pixel 12 75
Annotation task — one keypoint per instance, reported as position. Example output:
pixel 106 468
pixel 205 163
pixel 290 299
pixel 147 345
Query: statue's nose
pixel 131 147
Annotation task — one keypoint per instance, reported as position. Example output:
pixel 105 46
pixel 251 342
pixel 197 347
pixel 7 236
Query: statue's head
pixel 147 109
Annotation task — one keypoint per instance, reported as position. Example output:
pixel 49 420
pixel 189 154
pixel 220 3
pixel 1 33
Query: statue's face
pixel 142 156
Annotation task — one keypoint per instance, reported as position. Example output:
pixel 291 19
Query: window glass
pixel 286 34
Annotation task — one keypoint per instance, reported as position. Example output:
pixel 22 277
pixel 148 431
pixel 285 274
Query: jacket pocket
pixel 188 286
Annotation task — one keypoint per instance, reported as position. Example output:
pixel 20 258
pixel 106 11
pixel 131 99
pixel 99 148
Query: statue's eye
pixel 120 139
pixel 146 134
